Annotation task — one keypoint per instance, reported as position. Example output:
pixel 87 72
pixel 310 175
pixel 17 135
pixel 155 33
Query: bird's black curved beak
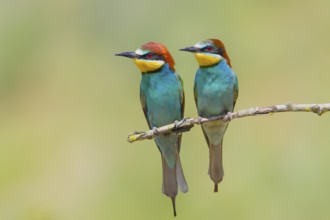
pixel 190 49
pixel 126 54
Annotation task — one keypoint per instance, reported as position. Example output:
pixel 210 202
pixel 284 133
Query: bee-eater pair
pixel 162 99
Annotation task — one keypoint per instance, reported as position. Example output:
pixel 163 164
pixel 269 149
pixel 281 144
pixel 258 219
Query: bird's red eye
pixel 208 48
pixel 149 56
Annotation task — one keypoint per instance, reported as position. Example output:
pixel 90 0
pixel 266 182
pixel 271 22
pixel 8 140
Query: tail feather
pixel 174 208
pixel 183 186
pixel 173 178
pixel 216 167
pixel 170 183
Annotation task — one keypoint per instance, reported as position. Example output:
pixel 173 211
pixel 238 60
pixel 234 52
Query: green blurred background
pixel 67 104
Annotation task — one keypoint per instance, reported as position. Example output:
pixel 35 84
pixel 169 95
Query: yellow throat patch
pixel 148 65
pixel 206 59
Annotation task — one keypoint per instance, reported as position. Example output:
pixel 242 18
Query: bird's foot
pixel 155 131
pixel 228 117
pixel 177 123
pixel 178 129
pixel 199 120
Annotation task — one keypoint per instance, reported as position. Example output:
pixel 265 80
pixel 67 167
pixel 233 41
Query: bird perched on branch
pixel 215 91
pixel 162 100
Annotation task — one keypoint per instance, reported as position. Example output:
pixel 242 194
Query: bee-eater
pixel 162 100
pixel 215 91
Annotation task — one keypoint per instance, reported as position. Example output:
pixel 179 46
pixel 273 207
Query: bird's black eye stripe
pixel 220 51
pixel 159 57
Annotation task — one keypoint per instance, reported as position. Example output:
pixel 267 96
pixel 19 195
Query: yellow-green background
pixel 67 104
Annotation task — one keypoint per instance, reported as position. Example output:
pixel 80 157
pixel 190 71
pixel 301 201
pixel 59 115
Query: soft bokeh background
pixel 67 104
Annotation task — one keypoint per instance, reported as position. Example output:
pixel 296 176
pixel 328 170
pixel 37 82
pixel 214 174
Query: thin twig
pixel 188 123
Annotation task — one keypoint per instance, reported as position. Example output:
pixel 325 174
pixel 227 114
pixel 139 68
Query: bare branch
pixel 187 123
